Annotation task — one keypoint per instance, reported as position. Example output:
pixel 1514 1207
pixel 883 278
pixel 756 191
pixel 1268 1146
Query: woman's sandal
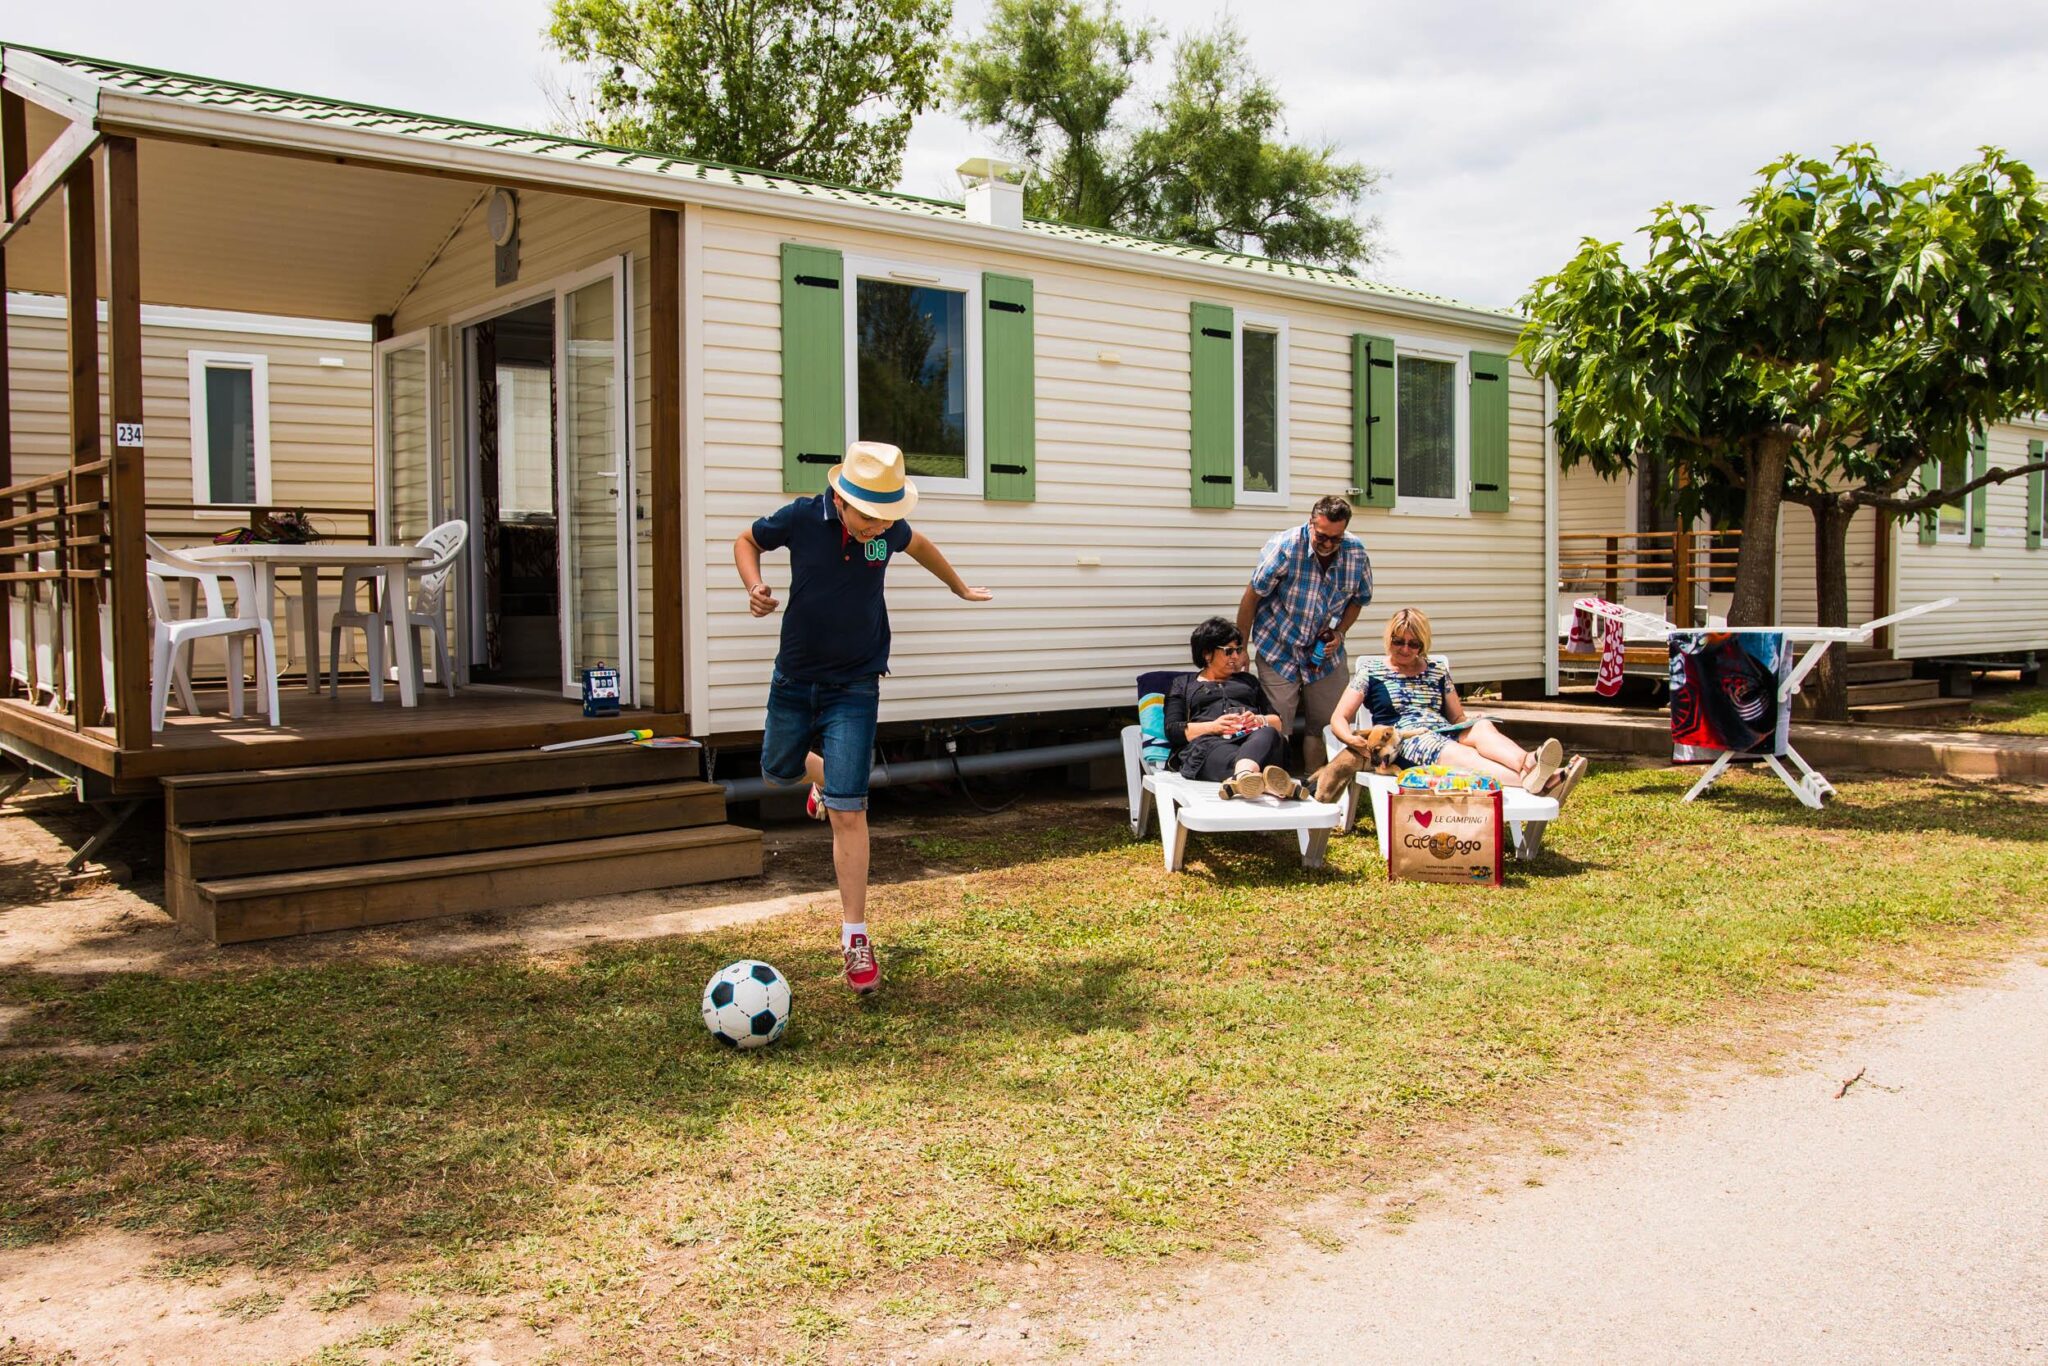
pixel 1567 779
pixel 1243 785
pixel 1280 783
pixel 1543 766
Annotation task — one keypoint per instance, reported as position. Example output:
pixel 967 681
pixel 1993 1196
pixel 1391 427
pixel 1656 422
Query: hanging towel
pixel 1725 693
pixel 1612 657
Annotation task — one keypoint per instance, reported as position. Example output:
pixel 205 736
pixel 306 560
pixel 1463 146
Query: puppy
pixel 1378 748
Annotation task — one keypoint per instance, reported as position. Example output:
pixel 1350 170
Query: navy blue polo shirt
pixel 836 626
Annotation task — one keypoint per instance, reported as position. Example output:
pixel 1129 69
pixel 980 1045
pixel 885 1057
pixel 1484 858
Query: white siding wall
pixel 559 236
pixel 319 414
pixel 320 435
pixel 2002 584
pixel 1112 482
pixel 1798 596
pixel 1587 504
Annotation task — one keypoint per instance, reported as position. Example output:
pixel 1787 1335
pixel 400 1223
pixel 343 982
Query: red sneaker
pixel 863 969
pixel 814 804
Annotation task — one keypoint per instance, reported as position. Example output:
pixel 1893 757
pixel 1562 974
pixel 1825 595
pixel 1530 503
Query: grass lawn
pixel 2020 711
pixel 1075 1053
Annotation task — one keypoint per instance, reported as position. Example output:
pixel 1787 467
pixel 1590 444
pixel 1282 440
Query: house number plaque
pixel 127 433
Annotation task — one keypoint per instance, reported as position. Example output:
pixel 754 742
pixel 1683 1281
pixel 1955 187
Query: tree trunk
pixel 1829 682
pixel 1756 561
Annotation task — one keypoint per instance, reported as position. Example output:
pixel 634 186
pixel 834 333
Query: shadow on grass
pixel 377 1103
pixel 1939 807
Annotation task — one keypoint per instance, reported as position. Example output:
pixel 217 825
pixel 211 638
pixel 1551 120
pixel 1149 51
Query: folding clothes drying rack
pixel 1809 786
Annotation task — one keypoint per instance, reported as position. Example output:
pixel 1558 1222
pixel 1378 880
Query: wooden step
pixel 1879 670
pixel 272 905
pixel 240 848
pixel 1926 711
pixel 201 798
pixel 1899 690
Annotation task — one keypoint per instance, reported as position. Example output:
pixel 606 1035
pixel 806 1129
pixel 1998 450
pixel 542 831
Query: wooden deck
pixel 323 729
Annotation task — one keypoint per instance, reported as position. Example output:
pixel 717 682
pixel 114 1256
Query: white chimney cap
pixel 981 170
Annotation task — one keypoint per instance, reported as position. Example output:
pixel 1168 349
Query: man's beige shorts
pixel 1317 701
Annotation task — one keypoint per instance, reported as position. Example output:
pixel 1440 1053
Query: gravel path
pixel 1905 1221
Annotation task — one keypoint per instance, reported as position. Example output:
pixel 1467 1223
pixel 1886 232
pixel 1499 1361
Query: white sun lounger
pixel 1185 804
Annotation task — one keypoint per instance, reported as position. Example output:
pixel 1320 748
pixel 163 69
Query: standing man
pixel 826 687
pixel 1309 585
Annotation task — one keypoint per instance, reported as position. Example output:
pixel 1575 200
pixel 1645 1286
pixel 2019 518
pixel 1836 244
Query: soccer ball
pixel 746 1004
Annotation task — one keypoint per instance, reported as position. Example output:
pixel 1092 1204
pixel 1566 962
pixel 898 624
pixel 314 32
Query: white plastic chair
pixel 428 583
pixel 170 655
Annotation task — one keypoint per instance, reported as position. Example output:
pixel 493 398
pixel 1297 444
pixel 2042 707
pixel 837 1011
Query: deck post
pixel 13 161
pixel 82 336
pixel 1681 575
pixel 126 493
pixel 665 379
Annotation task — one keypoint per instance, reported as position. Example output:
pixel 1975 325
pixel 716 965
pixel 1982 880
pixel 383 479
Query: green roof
pixel 207 92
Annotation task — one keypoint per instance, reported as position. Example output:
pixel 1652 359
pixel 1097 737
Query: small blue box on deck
pixel 600 690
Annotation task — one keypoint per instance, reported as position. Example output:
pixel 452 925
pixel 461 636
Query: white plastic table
pixel 390 562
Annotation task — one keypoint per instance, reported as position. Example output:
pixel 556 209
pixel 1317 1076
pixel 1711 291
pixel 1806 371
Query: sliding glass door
pixel 594 366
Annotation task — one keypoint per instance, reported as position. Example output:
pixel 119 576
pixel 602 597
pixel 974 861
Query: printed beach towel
pixel 1152 688
pixel 1724 693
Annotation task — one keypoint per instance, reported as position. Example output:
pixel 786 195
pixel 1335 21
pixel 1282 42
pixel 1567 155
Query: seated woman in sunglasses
pixel 1219 723
pixel 1409 690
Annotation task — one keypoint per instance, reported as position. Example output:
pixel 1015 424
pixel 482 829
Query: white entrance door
pixel 594 365
pixel 408 475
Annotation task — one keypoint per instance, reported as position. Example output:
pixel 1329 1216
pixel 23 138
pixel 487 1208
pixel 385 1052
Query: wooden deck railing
pixel 1673 565
pixel 52 531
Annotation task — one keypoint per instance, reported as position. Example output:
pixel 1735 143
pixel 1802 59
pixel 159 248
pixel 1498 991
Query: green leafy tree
pixel 819 88
pixel 1847 331
pixel 1204 162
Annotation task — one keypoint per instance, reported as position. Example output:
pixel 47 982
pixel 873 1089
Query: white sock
pixel 847 930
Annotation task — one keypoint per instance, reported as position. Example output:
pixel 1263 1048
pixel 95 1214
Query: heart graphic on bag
pixel 1422 818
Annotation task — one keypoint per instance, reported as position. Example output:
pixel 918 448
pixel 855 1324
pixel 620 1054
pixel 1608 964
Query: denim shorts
pixel 835 719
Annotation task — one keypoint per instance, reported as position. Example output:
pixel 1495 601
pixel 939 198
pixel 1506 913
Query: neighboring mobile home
pixel 1987 550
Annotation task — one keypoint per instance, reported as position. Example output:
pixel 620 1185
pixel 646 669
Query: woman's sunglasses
pixel 1406 642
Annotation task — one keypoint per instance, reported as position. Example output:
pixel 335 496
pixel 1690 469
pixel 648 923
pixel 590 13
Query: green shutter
pixel 1489 410
pixel 1980 500
pixel 1372 419
pixel 1930 518
pixel 1009 411
pixel 1212 404
pixel 813 366
pixel 2034 481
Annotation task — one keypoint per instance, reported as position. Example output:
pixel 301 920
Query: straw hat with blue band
pixel 871 479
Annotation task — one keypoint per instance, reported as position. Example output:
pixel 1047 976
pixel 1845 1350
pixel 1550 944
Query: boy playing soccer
pixel 826 687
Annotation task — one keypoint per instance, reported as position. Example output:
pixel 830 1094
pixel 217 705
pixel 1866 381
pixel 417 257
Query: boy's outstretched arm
pixel 746 555
pixel 925 553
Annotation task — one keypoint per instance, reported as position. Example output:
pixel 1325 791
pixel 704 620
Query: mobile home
pixel 1105 428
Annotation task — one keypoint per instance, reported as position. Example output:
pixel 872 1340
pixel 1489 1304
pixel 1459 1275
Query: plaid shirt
pixel 1298 596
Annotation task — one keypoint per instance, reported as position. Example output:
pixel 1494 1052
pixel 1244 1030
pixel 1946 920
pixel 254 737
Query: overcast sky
pixel 1506 132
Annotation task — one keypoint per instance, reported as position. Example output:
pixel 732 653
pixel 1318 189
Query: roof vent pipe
pixel 995 191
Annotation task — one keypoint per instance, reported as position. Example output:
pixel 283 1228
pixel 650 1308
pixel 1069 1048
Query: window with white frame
pixel 1429 430
pixel 913 357
pixel 1261 410
pixel 230 428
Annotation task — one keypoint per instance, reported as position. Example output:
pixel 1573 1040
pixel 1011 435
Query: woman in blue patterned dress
pixel 1414 693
